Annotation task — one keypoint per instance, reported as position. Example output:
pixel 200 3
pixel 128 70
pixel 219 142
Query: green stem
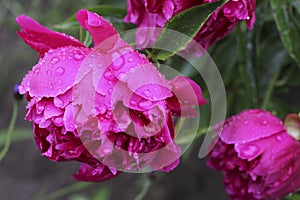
pixel 245 64
pixel 10 131
pixel 270 88
pixel 144 190
pixel 67 190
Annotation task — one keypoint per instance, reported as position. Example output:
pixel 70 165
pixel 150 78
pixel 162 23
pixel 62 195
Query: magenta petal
pixel 88 173
pixel 97 26
pixel 42 39
pixel 187 91
pixel 150 85
pixel 54 74
pixel 249 126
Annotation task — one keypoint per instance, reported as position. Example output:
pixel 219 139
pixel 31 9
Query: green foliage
pixel 286 15
pixel 187 24
pixel 293 197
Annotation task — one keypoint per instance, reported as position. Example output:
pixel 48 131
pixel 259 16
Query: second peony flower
pixel 257 156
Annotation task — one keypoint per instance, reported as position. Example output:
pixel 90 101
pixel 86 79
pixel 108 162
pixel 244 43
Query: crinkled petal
pixel 42 39
pixel 89 173
pixel 55 73
pixel 249 126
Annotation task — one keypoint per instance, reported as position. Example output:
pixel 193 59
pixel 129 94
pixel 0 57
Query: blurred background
pixel 24 174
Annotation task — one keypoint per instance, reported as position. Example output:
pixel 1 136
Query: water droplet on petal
pixel 264 122
pixel 106 152
pixel 51 87
pixel 102 109
pixel 58 102
pixel 94 23
pixel 49 72
pixel 59 71
pixel 36 71
pixel 78 56
pixel 123 77
pixel 279 138
pixel 246 122
pixel 109 91
pixel 130 59
pixel 132 102
pixel 117 61
pixel 40 109
pixel 55 60
pixel 249 151
pixel 147 93
pixel 144 104
pixel 108 75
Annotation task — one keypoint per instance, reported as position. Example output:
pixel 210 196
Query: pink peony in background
pixel 107 107
pixel 257 156
pixel 148 13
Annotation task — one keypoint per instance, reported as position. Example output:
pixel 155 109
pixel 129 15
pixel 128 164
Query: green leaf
pixel 285 13
pixel 187 24
pixel 103 10
pixel 113 14
pixel 293 197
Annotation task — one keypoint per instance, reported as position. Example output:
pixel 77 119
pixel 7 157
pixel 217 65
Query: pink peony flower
pixel 107 107
pixel 257 156
pixel 148 13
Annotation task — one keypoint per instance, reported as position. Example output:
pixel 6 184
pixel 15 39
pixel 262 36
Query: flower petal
pixel 55 73
pixel 98 27
pixel 249 126
pixel 42 39
pixel 89 173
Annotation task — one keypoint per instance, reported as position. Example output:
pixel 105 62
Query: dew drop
pixel 144 104
pixel 51 87
pixel 249 151
pixel 78 56
pixel 37 71
pixel 123 77
pixel 264 122
pixel 49 72
pixel 147 93
pixel 59 71
pixel 109 91
pixel 130 59
pixel 102 110
pixel 94 23
pixel 117 61
pixel 106 151
pixel 55 60
pixel 246 122
pixel 40 109
pixel 108 75
pixel 279 138
pixel 58 102
pixel 132 102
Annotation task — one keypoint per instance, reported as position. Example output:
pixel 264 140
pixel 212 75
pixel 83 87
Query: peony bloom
pixel 147 13
pixel 107 107
pixel 257 156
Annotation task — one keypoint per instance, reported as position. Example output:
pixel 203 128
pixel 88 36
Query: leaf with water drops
pixel 286 15
pixel 187 24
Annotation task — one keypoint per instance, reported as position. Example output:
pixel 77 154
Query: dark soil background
pixel 24 173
